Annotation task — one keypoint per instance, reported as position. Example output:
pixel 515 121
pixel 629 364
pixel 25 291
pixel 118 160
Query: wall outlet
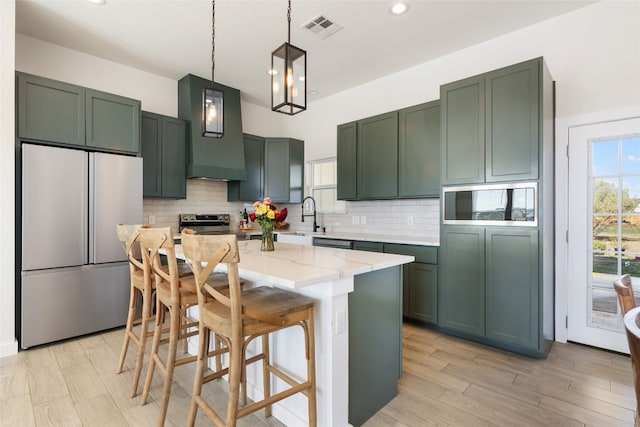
pixel 152 219
pixel 355 220
pixel 409 220
pixel 363 220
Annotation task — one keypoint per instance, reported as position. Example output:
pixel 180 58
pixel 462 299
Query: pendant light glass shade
pixel 212 113
pixel 288 79
pixel 288 76
pixel 212 99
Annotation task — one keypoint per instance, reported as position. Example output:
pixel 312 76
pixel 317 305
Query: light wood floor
pixel 446 382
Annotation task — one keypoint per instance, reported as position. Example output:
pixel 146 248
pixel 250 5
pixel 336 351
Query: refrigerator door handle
pixel 91 208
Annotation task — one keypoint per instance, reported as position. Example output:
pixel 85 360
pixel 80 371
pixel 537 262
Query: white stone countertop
pixel 297 266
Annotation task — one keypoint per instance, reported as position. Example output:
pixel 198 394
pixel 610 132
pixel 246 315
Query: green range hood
pixel 210 157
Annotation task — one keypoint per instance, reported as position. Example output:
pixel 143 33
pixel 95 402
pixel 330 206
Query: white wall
pixel 593 54
pixel 8 343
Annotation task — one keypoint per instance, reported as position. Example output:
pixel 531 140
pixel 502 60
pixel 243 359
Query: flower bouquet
pixel 267 216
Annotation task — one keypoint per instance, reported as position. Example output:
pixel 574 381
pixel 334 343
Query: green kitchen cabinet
pixel 164 156
pixel 377 167
pixel 361 245
pixel 61 113
pixel 420 281
pixel 49 110
pixel 252 188
pixel 419 151
pixel 513 287
pixel 491 125
pixel 112 122
pixel 284 170
pixel 461 288
pixel 347 161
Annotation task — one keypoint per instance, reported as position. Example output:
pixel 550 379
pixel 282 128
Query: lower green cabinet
pixel 164 156
pixel 420 281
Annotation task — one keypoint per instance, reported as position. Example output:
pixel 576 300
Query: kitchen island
pixel 358 314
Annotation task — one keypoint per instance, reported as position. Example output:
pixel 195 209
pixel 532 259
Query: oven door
pixel 494 204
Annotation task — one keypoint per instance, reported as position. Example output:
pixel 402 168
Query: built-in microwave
pixel 512 204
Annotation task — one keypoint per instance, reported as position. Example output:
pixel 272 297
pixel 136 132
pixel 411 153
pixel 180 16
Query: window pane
pixel 326 201
pixel 630 193
pixel 605 196
pixel 605 267
pixel 605 158
pixel 631 155
pixel 324 173
pixel 604 307
pixel 605 233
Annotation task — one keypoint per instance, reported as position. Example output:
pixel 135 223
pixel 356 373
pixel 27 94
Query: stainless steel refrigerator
pixel 74 275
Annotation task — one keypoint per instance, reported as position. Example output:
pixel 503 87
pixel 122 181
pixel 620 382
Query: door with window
pixel 604 228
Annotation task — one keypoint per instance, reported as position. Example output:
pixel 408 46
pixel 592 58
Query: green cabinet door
pixel 347 161
pixel 461 290
pixel 112 122
pixel 164 156
pixel 462 149
pixel 419 151
pixel 174 166
pixel 360 245
pixel 512 122
pixel 512 287
pixel 284 169
pixel 423 292
pixel 49 110
pixel 151 129
pixel 377 168
pixel 252 188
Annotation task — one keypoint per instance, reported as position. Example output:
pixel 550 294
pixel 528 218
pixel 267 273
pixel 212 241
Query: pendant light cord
pixel 213 40
pixel 289 23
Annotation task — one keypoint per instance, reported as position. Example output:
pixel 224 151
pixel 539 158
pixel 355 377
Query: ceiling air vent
pixel 321 26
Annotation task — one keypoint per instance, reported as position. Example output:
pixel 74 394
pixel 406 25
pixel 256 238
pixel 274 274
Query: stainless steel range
pixel 206 223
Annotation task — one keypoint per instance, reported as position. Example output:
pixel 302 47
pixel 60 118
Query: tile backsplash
pixel 411 217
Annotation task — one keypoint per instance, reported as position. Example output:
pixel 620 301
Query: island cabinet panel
pixel 461 304
pixel 252 188
pixel 164 156
pixel 462 104
pixel 347 161
pixel 419 151
pixel 512 287
pixel 112 122
pixel 375 342
pixel 377 167
pixel 50 111
pixel 512 122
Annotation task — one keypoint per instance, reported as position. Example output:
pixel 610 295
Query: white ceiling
pixel 172 38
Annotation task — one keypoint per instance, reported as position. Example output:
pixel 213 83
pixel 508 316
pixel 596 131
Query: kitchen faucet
pixel 315 224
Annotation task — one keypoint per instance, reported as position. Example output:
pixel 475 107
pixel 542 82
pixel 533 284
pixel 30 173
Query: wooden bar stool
pixel 176 295
pixel 624 289
pixel 238 318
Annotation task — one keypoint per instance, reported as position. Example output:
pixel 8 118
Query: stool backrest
pixel 624 289
pixel 151 241
pixel 632 326
pixel 129 234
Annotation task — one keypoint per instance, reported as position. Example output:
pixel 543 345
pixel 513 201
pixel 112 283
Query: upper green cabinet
pixel 284 169
pixel 491 125
pixel 391 155
pixel 252 188
pixel 112 122
pixel 57 112
pixel 419 151
pixel 377 167
pixel 164 156
pixel 347 161
pixel 209 157
pixel 275 168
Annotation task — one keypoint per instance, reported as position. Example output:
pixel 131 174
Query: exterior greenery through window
pixel 322 182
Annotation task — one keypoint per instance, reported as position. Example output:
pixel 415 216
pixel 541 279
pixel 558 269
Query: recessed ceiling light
pixel 398 8
pixel 98 2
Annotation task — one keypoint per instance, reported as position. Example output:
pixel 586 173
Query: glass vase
pixel 267 237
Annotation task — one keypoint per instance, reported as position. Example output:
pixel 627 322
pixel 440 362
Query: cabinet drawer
pixel 425 254
pixel 368 246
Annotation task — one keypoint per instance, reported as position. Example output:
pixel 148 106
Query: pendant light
pixel 288 76
pixel 212 99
